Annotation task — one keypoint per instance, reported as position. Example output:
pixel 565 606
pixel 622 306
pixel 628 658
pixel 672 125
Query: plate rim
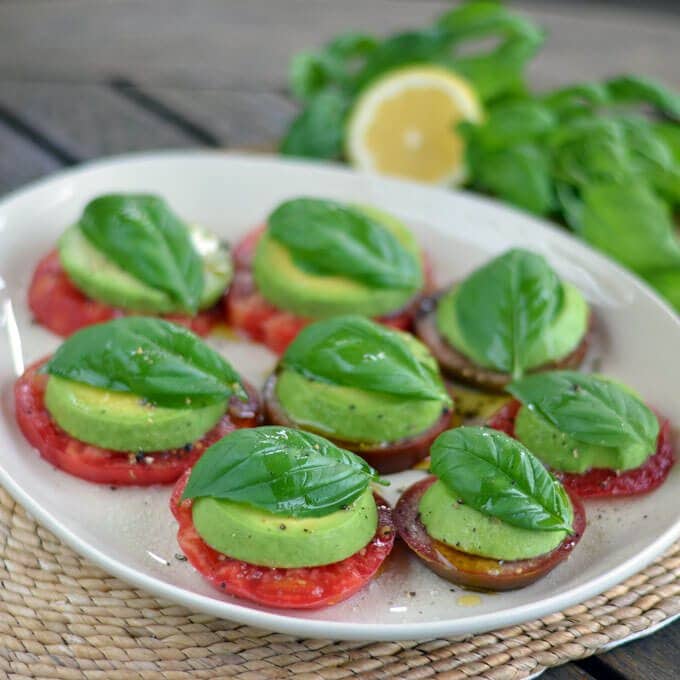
pixel 289 623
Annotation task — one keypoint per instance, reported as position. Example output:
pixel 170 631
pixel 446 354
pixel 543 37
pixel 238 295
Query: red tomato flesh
pixel 58 305
pixel 105 466
pixel 299 588
pixel 601 482
pixel 474 571
pixel 249 312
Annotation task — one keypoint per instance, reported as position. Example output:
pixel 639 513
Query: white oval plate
pixel 130 532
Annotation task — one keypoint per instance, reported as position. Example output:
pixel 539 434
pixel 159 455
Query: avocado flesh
pixel 560 338
pixel 289 287
pixel 351 414
pixel 122 421
pixel 562 452
pixel 263 538
pixel 101 279
pixel 464 528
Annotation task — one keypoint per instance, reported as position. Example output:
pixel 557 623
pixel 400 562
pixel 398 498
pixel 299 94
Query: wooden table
pixel 80 79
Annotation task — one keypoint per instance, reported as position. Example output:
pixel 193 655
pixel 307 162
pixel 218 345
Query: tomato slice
pixel 105 466
pixel 474 571
pixel 602 482
pixel 58 305
pixel 249 312
pixel 300 588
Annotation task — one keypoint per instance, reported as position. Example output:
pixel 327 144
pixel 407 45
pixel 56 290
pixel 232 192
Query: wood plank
pixel 248 45
pixel 568 672
pixel 240 119
pixel 89 120
pixel 657 656
pixel 20 160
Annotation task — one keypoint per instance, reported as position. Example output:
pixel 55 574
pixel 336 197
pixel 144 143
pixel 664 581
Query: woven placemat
pixel 62 617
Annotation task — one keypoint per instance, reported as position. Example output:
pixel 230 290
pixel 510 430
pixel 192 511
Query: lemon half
pixel 404 125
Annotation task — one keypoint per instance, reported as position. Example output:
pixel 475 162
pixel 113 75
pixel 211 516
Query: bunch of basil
pixel 603 158
pixel 328 82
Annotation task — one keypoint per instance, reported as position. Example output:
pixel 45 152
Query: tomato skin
pixel 104 466
pixel 299 588
pixel 248 311
pixel 600 482
pixel 473 571
pixel 58 305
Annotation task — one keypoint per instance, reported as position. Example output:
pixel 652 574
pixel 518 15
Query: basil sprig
pixel 152 358
pixel 329 238
pixel 498 476
pixel 353 351
pixel 505 306
pixel 282 471
pixel 145 238
pixel 589 408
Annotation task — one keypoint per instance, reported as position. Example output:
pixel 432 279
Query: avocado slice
pixel 562 452
pixel 288 287
pixel 466 529
pixel 122 421
pixel 258 537
pixel 101 279
pixel 356 415
pixel 351 414
pixel 559 339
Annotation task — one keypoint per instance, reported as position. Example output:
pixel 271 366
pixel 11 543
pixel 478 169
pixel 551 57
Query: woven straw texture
pixel 62 617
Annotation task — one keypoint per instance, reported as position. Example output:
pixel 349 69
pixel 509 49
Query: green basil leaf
pixel 152 358
pixel 498 476
pixel 318 131
pixel 333 66
pixel 511 123
pixel 589 408
pixel 520 296
pixel 575 99
pixel 631 223
pixel 638 90
pixel 145 238
pixel 352 351
pixel 519 175
pixel 498 71
pixel 587 150
pixel 329 238
pixel 280 470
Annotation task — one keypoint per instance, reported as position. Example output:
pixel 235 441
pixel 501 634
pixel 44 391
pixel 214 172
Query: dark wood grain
pixel 236 118
pixel 656 657
pixel 20 160
pixel 568 672
pixel 89 121
pixel 247 45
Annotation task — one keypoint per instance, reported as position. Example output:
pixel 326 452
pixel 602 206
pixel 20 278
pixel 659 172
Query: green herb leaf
pixel 325 237
pixel 354 352
pixel 429 45
pixel 145 238
pixel 333 66
pixel 630 222
pixel 589 408
pixel 520 295
pixel 519 175
pixel 282 471
pixel 638 90
pixel 152 358
pixel 498 476
pixel 319 130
